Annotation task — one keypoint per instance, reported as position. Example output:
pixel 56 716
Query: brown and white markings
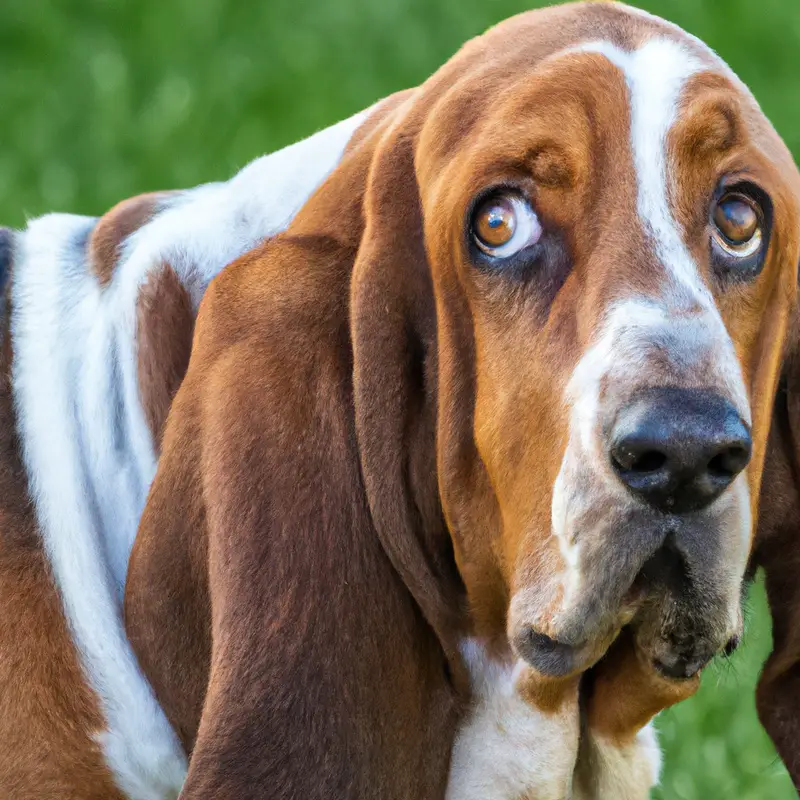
pixel 500 391
pixel 100 315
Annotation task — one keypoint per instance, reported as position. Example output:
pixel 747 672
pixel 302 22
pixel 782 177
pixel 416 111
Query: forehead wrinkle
pixel 711 127
pixel 546 162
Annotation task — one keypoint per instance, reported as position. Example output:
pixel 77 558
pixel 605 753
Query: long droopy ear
pixel 395 374
pixel 777 550
pixel 297 456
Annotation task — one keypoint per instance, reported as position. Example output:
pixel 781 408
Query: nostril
pixel 729 463
pixel 650 461
pixel 628 457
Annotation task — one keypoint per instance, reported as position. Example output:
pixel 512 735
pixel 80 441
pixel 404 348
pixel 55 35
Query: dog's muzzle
pixel 659 547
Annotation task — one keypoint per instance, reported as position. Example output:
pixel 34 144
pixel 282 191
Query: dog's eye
pixel 737 226
pixel 503 224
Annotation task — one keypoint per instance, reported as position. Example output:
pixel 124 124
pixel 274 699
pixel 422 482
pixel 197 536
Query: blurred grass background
pixel 103 99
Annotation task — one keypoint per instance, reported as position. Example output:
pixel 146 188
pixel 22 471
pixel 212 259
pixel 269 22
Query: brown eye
pixel 496 222
pixel 504 224
pixel 738 225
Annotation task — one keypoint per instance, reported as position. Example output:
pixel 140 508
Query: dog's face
pixel 612 229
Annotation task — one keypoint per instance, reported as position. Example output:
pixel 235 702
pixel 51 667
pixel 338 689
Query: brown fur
pixel 165 324
pixel 777 551
pixel 385 107
pixel 115 227
pixel 371 649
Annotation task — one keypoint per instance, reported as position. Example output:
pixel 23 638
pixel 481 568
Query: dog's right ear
pixel 777 550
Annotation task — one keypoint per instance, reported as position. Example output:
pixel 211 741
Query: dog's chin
pixel 688 615
pixel 679 635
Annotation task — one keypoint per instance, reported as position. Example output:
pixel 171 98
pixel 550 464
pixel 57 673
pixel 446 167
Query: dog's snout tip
pixel 679 449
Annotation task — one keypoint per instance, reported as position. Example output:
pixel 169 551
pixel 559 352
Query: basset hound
pixel 459 488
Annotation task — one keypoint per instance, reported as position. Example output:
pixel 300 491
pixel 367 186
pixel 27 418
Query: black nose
pixel 679 449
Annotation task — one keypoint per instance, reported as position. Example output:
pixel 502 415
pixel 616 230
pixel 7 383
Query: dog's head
pixel 609 231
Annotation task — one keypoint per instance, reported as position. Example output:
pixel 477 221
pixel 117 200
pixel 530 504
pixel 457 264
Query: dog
pixel 381 555
pixel 500 394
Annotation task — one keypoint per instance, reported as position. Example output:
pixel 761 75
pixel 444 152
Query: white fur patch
pixel 656 74
pixel 608 771
pixel 87 448
pixel 507 749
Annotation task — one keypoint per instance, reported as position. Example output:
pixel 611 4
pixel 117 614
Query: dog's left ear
pixel 777 550
pixel 394 332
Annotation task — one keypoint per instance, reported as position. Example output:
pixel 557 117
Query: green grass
pixel 102 99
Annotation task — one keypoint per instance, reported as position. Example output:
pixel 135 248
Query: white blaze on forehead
pixel 699 45
pixel 656 75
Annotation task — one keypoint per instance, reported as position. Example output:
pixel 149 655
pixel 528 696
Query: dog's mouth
pixel 675 606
